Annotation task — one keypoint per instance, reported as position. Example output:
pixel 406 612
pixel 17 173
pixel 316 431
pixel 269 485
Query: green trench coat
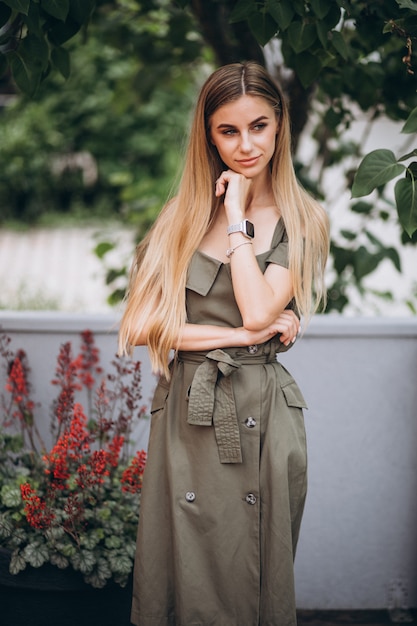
pixel 225 483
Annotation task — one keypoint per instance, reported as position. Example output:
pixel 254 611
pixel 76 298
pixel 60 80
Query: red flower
pixel 88 359
pixel 115 447
pixel 70 447
pixel 37 513
pixel 18 386
pixel 132 476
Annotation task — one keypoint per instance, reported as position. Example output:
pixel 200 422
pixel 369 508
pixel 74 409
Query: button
pixel 253 349
pixel 190 496
pixel 250 498
pixel 250 422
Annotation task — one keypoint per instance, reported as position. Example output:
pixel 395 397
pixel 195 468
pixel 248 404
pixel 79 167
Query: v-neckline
pixel 219 262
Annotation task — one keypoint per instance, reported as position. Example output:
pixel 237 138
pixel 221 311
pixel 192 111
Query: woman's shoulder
pixel 280 234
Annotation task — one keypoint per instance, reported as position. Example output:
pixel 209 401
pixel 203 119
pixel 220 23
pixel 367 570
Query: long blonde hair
pixel 156 294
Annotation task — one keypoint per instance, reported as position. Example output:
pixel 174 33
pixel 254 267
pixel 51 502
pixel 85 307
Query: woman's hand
pixel 287 324
pixel 235 188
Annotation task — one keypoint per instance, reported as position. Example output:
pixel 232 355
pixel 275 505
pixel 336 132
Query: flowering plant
pixel 77 504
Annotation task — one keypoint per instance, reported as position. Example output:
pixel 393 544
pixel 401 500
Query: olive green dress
pixel 225 482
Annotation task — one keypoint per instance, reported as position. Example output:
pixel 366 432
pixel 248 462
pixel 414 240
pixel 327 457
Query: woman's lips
pixel 248 162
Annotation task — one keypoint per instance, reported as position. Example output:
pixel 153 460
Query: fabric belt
pixel 211 399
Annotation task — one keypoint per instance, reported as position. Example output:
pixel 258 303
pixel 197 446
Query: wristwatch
pixel 246 227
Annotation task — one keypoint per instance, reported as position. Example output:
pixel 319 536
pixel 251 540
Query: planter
pixel 49 596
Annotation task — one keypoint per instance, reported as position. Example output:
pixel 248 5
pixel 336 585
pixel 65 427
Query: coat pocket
pixel 160 396
pixel 293 395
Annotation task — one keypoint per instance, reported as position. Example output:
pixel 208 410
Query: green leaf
pixel 102 248
pixel 322 33
pixel 29 62
pixel 26 80
pixel 410 125
pixel 36 554
pixel 60 32
pixel 101 574
pixel 54 532
pixel 385 295
pixel 390 253
pixel 263 27
pixel 10 496
pixel 282 11
pixel 377 168
pixel 90 540
pixel 412 170
pixel 84 561
pixel 81 10
pixel 113 274
pixel 348 234
pixel 393 255
pixel 66 549
pixel 411 154
pixel 308 67
pixel 22 6
pixel 321 8
pixel 6 527
pixel 116 296
pixel 406 201
pixel 120 563
pixel 362 207
pixel 342 257
pixel 340 45
pixel 34 22
pixel 301 36
pixel 365 262
pixel 56 8
pixel 407 4
pixel 242 10
pixel 113 542
pixel 59 560
pixel 17 563
pixel 61 61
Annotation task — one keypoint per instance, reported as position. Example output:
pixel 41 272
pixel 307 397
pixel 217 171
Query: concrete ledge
pixel 320 325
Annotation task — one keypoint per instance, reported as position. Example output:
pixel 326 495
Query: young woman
pixel 217 280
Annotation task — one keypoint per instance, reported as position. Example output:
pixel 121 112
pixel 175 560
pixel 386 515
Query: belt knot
pixel 211 401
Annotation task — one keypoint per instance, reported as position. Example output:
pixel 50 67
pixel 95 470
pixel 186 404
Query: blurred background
pixel 92 132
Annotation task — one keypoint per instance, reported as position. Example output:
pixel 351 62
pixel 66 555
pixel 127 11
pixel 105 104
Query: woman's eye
pixel 229 131
pixel 259 126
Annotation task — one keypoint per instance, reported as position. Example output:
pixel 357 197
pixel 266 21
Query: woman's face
pixel 244 133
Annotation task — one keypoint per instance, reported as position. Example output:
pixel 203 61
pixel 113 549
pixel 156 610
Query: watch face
pixel 250 229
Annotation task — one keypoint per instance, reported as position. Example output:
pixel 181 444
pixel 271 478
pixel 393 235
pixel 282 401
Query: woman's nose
pixel 245 142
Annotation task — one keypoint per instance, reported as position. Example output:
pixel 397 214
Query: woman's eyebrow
pixel 258 119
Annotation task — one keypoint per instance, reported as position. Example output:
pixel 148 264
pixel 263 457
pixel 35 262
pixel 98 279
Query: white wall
pixel 358 541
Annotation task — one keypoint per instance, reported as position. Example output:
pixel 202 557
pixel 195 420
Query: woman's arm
pixel 261 297
pixel 208 337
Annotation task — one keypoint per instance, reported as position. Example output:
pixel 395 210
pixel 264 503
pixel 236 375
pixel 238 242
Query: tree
pixel 101 142
pixel 332 56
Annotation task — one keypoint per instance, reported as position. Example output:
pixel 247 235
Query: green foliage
pixel 76 506
pixel 381 166
pixel 33 33
pixel 107 141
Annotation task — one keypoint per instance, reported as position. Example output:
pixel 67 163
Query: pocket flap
pixel 293 395
pixel 202 273
pixel 160 395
